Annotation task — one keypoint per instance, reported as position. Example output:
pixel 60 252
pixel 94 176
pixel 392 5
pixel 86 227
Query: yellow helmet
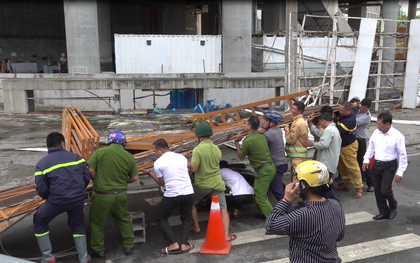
pixel 314 173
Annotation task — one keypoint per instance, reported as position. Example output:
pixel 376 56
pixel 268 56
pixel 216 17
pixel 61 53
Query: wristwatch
pixel 236 143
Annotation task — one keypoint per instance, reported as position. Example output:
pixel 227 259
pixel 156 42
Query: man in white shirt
pixel 171 171
pixel 240 193
pixel 388 145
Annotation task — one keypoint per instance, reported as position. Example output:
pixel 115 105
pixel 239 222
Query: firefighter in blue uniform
pixel 61 178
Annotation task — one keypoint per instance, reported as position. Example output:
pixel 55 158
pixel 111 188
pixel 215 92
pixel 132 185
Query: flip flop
pixel 166 251
pixel 232 237
pixel 188 250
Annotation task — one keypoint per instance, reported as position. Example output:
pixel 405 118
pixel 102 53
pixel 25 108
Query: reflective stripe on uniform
pixel 347 129
pixel 78 235
pixel 293 151
pixel 43 234
pixel 61 165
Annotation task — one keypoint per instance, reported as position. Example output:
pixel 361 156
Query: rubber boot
pixel 81 247
pixel 44 244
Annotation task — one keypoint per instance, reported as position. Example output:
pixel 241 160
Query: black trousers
pixel 360 153
pixel 383 175
pixel 237 201
pixel 165 209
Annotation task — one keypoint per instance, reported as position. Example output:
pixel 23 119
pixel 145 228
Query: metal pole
pixel 291 45
pixel 205 86
pixel 378 78
pixel 333 55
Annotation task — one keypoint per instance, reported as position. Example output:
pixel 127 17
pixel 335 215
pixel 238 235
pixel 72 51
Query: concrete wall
pixel 236 32
pixel 56 90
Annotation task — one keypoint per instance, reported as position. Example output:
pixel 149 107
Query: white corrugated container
pixel 167 53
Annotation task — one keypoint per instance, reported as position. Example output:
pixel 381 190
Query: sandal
pixel 188 250
pixel 343 188
pixel 232 237
pixel 358 194
pixel 166 251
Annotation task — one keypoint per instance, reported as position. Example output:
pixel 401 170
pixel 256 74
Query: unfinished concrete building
pixel 146 54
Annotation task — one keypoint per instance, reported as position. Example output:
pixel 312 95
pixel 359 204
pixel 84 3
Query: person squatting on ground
pixel 274 136
pixel 296 134
pixel 61 178
pixel 204 164
pixel 111 168
pixel 256 148
pixel 328 146
pixel 171 171
pixel 388 145
pixel 347 165
pixel 315 228
pixel 363 118
pixel 240 192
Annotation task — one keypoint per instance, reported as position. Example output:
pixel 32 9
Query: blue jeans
pixel 277 186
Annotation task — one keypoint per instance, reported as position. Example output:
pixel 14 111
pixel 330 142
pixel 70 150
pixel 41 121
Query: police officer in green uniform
pixel 111 168
pixel 255 146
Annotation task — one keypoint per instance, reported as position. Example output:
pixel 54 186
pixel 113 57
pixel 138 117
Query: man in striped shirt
pixel 310 241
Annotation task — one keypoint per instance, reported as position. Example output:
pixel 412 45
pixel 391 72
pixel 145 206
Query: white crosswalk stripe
pixel 350 253
pixel 257 235
pixel 372 248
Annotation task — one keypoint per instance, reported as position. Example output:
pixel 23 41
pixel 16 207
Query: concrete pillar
pixel 389 11
pixel 274 16
pixel 291 46
pixel 174 19
pixel 236 33
pixel 105 36
pixel 88 36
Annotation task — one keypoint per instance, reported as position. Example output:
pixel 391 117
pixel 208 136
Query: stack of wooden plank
pixel 80 137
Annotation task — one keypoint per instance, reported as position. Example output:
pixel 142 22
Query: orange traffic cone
pixel 215 242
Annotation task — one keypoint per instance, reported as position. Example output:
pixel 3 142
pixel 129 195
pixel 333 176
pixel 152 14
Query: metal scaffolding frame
pixel 334 83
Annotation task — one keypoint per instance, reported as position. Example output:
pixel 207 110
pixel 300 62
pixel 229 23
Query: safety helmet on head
pixel 273 116
pixel 117 137
pixel 203 130
pixel 314 173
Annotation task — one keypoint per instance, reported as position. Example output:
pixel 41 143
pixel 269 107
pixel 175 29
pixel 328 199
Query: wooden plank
pixel 258 103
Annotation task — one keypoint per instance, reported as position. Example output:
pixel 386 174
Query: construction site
pixel 185 63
